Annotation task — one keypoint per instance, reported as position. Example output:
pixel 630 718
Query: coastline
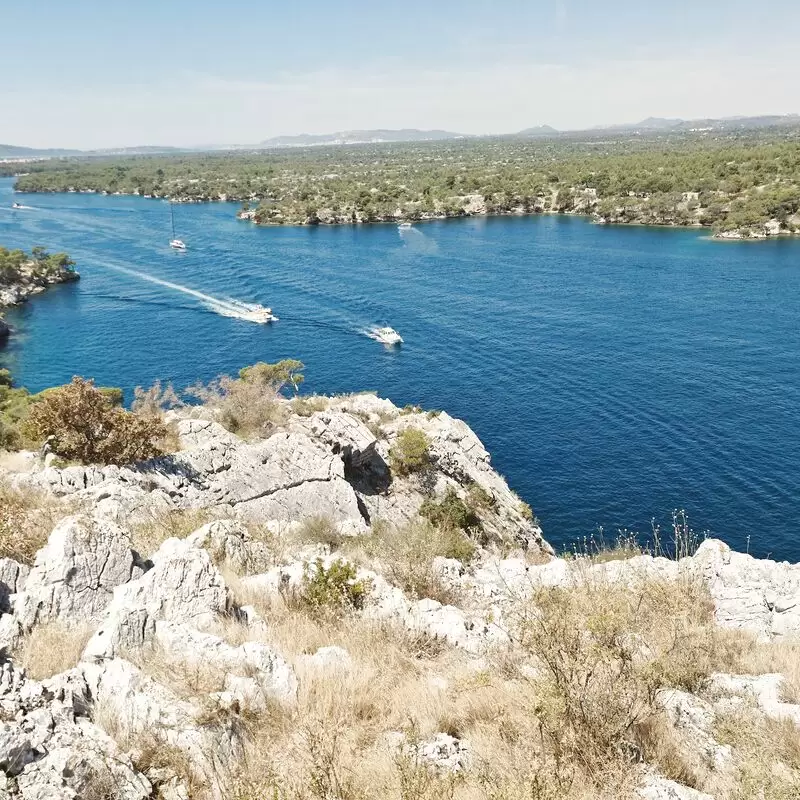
pixel 331 219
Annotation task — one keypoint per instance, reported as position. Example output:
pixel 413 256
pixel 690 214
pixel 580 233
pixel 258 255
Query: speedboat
pixel 404 226
pixel 177 244
pixel 259 314
pixel 387 336
pixel 16 205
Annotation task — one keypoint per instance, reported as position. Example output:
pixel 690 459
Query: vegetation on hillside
pixel 730 181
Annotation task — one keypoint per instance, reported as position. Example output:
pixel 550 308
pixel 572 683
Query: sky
pixel 92 74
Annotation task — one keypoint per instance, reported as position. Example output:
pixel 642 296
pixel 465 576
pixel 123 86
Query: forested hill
pixel 745 183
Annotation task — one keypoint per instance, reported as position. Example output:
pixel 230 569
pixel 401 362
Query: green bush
pixel 334 589
pixel 450 512
pixel 410 452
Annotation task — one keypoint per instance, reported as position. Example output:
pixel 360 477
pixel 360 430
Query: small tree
pixel 83 424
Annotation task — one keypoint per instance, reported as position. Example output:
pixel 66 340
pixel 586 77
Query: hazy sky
pixel 92 73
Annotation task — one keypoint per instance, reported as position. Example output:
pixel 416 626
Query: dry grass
pixel 572 732
pixel 52 648
pixel 26 520
pixel 406 554
pixel 767 764
pixel 148 534
pixel 306 406
pixel 758 658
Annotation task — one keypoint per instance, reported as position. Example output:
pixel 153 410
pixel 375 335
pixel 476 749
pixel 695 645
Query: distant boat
pixel 175 243
pixel 404 226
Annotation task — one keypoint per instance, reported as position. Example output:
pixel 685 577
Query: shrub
pixel 604 650
pixel 85 426
pixel 333 589
pixel 13 409
pixel 450 512
pixel 158 525
pixel 274 376
pixel 410 452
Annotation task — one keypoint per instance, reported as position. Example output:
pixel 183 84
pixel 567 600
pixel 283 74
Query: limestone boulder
pixel 75 574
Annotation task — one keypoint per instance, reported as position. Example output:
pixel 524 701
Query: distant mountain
pixel 360 137
pixel 725 124
pixel 539 130
pixel 12 151
pixel 142 150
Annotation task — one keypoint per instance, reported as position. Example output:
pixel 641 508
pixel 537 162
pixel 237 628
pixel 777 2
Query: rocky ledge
pixel 202 600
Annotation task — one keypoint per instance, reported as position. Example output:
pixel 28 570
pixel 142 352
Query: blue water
pixel 614 373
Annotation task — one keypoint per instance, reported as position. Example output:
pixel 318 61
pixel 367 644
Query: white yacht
pixel 259 314
pixel 177 244
pixel 404 226
pixel 387 336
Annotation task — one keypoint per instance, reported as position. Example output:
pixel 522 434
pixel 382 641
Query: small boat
pixel 387 336
pixel 16 205
pixel 260 314
pixel 175 243
pixel 405 226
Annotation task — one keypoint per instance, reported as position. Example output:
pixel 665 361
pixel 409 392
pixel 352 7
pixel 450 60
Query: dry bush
pixel 155 400
pixel 249 405
pixel 51 648
pixel 86 426
pixel 406 555
pixel 603 651
pixel 157 525
pixel 245 408
pixel 26 520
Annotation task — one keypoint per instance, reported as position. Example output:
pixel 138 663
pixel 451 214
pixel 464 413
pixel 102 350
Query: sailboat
pixel 175 243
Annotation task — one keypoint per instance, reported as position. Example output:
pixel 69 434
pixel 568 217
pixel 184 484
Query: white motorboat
pixel 387 336
pixel 260 314
pixel 16 205
pixel 405 226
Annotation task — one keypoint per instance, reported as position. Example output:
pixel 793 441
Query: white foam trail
pixel 227 308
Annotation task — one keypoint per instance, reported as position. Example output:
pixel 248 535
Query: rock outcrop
pixel 187 655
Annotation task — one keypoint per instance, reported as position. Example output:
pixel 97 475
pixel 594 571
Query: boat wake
pixel 226 308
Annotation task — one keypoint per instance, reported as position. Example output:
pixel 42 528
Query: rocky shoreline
pixel 200 598
pixel 32 280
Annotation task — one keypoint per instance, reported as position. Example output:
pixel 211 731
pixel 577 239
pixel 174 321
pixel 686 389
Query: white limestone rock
pixel 183 586
pixel 75 574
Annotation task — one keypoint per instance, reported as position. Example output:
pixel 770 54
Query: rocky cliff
pixel 247 620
